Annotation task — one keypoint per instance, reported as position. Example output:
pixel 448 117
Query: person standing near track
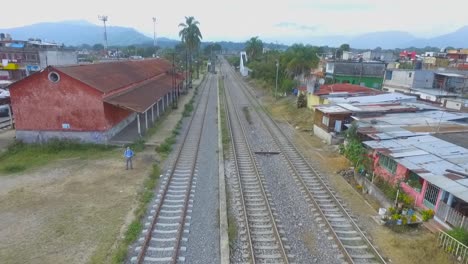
pixel 128 155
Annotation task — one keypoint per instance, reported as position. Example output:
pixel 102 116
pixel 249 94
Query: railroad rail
pixel 165 233
pixel 261 231
pixel 352 241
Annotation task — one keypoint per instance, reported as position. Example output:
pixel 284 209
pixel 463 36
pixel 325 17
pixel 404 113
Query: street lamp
pixel 276 88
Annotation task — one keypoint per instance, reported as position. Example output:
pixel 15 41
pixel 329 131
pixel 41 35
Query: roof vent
pixel 54 77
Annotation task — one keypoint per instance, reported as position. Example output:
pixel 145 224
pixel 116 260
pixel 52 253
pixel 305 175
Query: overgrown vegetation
pixel 135 227
pixel 459 234
pixel 427 214
pixel 20 156
pixel 354 150
pixel 390 192
pixel 246 112
pixel 291 64
pixel 226 139
pixel 188 108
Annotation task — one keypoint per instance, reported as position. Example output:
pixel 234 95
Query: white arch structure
pixel 242 68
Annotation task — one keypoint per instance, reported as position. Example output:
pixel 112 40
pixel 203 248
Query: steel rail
pixel 257 173
pixel 144 247
pixel 252 99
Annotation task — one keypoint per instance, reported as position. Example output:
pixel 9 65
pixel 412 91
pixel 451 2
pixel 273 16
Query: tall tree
pixel 191 36
pixel 254 47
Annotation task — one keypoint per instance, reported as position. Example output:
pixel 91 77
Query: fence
pixel 453 246
pixel 449 215
pixel 7 122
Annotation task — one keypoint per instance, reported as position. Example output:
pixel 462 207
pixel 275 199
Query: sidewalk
pixel 170 121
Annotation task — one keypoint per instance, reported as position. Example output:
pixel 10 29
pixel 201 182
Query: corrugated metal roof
pixel 110 76
pixel 379 98
pixel 430 157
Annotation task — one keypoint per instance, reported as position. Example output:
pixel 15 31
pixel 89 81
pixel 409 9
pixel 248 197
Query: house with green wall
pixel 368 74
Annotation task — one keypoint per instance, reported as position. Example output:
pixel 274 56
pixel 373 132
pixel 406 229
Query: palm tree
pixel 191 36
pixel 254 47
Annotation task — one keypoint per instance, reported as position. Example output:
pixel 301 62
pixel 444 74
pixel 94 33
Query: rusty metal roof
pixel 110 76
pixel 143 95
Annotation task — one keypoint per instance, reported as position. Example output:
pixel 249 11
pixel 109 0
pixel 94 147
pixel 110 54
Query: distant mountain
pixel 457 39
pixel 385 40
pixel 393 39
pixel 78 32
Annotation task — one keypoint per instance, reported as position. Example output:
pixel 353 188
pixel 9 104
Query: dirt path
pixel 416 246
pixel 73 210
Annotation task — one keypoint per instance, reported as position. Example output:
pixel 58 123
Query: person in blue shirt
pixel 128 155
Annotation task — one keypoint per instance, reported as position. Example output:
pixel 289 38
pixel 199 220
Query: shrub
pixel 459 234
pixel 427 214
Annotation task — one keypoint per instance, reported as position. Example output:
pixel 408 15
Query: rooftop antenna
pixel 104 20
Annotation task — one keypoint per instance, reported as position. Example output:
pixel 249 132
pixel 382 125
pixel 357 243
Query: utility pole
pixel 276 89
pixel 154 36
pixel 104 20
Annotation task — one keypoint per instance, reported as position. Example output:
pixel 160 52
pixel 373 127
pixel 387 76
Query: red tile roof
pixel 345 87
pixel 140 97
pixel 110 76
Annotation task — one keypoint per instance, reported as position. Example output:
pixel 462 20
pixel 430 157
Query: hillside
pixel 78 32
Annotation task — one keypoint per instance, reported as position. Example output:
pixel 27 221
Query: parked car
pixel 4 111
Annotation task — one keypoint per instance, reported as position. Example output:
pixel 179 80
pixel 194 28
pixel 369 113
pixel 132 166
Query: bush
pixel 459 234
pixel 427 214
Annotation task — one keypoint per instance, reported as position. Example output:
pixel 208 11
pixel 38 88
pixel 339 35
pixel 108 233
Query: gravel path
pixel 203 242
pixel 308 242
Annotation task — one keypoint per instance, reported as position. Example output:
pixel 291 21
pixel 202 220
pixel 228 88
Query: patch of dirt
pixel 65 211
pixel 419 246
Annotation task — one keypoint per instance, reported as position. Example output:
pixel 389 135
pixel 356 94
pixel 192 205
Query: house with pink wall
pixel 425 153
pixel 429 169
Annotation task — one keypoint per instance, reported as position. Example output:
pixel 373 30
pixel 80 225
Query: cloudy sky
pixel 283 21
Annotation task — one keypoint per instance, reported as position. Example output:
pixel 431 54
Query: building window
pixel 388 75
pixel 54 77
pixel 388 163
pixel 325 120
pixel 414 181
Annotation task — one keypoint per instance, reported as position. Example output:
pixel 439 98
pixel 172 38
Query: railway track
pixel 167 231
pixel 352 241
pixel 260 230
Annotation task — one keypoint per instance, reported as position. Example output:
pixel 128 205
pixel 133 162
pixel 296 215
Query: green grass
pixel 135 227
pixel 188 108
pixel 232 230
pixel 226 139
pixel 21 157
pixel 245 109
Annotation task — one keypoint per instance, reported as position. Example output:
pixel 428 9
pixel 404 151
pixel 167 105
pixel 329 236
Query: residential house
pixel 426 155
pixel 332 119
pixel 376 55
pixel 321 96
pixel 93 102
pixel 368 74
pixel 21 58
pixel 458 55
pixel 433 86
pixel 408 55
